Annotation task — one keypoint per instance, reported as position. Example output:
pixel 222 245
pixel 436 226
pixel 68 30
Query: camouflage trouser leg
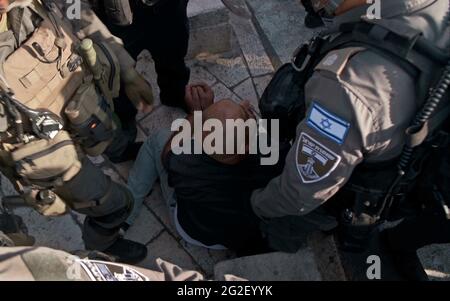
pixel 105 203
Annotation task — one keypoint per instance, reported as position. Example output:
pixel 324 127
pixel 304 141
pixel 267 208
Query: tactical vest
pixel 40 71
pixel 50 74
pixel 373 189
pixel 47 72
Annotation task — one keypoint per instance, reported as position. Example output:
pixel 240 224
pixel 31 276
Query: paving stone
pixel 161 117
pixel 246 91
pixel 168 249
pixel 254 52
pixel 201 7
pixel 327 257
pixel 222 92
pixel 261 83
pixel 209 27
pixel 207 258
pixel 229 70
pixel 282 27
pixel 57 232
pixel 200 74
pixel 211 39
pixel 301 266
pixel 145 228
pixel 436 261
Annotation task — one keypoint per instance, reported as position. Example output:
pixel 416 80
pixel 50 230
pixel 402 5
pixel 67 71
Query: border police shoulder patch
pixel 328 124
pixel 315 162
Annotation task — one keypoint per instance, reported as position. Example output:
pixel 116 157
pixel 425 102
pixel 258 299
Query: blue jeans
pixel 146 170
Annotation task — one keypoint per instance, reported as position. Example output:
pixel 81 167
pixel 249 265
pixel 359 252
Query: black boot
pixel 313 21
pixel 127 251
pixel 405 259
pixel 409 266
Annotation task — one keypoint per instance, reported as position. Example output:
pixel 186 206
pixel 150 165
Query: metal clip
pixel 301 50
pixel 74 62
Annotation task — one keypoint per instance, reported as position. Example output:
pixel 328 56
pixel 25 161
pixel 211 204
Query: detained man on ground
pixel 208 196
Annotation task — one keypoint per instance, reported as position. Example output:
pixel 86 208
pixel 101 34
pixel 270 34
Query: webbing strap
pixel 416 137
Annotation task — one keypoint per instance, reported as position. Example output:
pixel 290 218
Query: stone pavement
pixel 236 57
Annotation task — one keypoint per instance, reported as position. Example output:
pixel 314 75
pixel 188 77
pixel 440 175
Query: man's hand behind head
pixel 199 97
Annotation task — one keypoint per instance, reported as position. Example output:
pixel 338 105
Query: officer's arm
pixel 90 26
pixel 330 142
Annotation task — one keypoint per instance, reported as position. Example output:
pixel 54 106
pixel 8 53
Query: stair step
pixel 210 31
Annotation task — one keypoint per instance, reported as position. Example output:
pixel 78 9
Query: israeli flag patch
pixel 328 124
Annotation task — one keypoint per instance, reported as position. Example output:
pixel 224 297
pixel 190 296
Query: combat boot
pixel 409 266
pixel 405 260
pixel 127 251
pixel 313 21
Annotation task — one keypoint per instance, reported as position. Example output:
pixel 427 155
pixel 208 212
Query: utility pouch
pixel 3 119
pixel 47 163
pixel 111 71
pixel 119 12
pixel 355 231
pixel 283 100
pixel 284 97
pixel 105 67
pixel 91 119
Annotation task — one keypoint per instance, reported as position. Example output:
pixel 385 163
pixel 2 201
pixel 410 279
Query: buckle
pixel 74 62
pixel 305 52
pixel 302 50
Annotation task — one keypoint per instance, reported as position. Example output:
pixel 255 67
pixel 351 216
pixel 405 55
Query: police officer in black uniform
pixel 160 26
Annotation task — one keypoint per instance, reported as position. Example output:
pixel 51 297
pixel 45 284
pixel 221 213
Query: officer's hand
pixel 199 97
pixel 138 90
